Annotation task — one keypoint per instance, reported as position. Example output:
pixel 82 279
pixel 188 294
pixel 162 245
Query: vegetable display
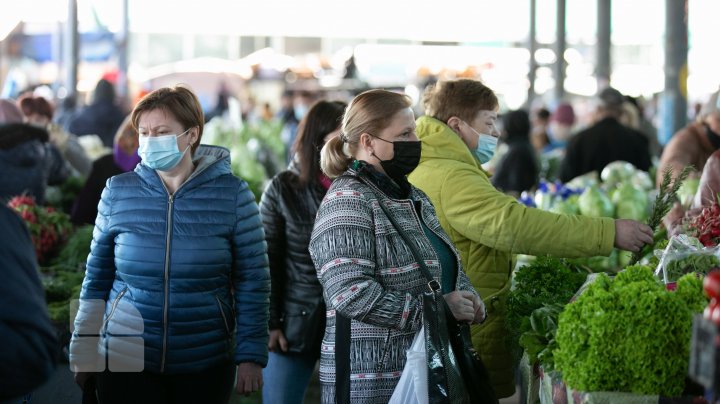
pixel 628 334
pixel 547 280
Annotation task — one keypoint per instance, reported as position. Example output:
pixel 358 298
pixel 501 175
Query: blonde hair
pixel 369 112
pixel 462 98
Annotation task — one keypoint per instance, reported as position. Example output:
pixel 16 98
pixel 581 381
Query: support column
pixel 673 101
pixel 604 30
pixel 559 68
pixel 71 50
pixel 532 48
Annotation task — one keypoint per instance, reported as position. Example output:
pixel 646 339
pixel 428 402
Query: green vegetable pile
pixel 629 334
pixel 700 263
pixel 539 342
pixel 547 280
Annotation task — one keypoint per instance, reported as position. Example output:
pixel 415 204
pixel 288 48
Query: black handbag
pixel 453 363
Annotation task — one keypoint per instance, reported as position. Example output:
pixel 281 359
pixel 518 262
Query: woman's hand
pixel 480 311
pixel 631 235
pixel 461 305
pixel 249 378
pixel 277 338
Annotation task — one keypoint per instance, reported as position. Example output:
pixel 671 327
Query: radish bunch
pixel 707 225
pixel 48 227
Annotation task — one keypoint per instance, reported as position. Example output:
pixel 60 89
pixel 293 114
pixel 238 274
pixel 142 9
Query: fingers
pixel 283 343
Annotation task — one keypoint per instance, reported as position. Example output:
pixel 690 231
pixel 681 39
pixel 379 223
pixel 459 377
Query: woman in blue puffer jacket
pixel 177 279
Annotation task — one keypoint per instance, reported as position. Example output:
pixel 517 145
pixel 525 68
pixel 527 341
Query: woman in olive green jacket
pixel 488 227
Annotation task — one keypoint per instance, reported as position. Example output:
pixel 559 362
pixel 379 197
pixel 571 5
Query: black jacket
pixel 597 146
pixel 29 350
pixel 296 301
pixel 28 162
pixel 84 210
pixel 518 170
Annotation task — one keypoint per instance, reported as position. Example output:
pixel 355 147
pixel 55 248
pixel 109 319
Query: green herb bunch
pixel 547 280
pixel 628 334
pixel 665 199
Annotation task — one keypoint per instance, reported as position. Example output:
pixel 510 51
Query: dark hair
pixel 104 92
pixel 543 113
pixel 516 124
pixel 180 102
pixel 35 105
pixel 323 118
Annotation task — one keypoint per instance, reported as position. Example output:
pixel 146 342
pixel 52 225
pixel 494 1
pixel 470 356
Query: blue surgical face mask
pixel 161 152
pixel 486 146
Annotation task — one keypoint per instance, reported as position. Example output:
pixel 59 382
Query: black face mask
pixel 713 137
pixel 405 159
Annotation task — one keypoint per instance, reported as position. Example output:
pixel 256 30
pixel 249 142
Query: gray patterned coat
pixel 369 275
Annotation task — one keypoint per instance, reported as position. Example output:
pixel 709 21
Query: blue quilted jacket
pixel 182 279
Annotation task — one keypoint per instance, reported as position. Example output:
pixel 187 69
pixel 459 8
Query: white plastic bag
pixel 413 385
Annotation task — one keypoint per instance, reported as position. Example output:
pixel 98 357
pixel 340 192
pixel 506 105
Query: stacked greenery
pixel 257 151
pixel 62 279
pixel 545 281
pixel 629 334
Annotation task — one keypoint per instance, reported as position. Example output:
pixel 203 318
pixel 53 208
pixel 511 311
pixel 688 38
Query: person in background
pixel 693 144
pixel 28 161
pixel 39 112
pixel 297 309
pixel 301 103
pixel 607 140
pixel 29 350
pixel 518 170
pixel 539 135
pixel 644 126
pixel 371 281
pixel 561 125
pixel 489 227
pixel 124 158
pixel 177 277
pixel 102 117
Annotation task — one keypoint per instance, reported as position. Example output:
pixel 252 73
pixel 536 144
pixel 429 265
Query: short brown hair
pixel 462 98
pixel 369 112
pixel 179 101
pixel 35 105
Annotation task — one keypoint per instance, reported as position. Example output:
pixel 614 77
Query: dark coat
pixel 518 170
pixel 84 209
pixel 297 306
pixel 597 146
pixel 29 348
pixel 28 162
pixel 102 118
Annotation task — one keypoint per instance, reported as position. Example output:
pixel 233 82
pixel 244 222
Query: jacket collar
pixel 439 141
pixel 210 162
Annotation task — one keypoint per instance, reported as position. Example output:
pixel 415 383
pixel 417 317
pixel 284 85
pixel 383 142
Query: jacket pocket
pixel 384 352
pixel 226 321
pixel 113 308
pixel 303 325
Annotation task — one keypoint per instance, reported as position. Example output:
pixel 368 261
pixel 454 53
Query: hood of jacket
pixel 210 162
pixel 14 134
pixel 439 141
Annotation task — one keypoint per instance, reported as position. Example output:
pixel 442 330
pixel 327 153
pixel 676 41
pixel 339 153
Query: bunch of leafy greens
pixel 547 280
pixel 629 334
pixel 539 343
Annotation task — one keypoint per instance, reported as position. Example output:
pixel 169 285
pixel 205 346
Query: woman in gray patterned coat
pixel 371 281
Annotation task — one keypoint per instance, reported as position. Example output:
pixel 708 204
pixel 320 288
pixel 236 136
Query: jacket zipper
pixel 114 306
pixel 222 312
pixel 166 285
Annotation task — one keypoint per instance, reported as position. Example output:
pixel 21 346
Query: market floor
pixel 61 389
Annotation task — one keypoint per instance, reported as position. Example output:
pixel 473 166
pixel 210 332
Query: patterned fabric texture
pixel 369 275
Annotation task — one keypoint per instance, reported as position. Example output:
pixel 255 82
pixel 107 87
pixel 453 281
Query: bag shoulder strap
pixel 432 283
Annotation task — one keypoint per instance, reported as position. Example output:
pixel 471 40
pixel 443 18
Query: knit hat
pixel 564 113
pixel 9 112
pixel 712 105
